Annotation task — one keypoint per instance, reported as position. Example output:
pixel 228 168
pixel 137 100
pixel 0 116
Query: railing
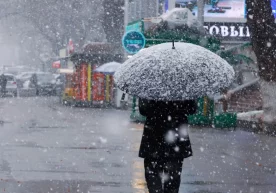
pixel 224 98
pixel 238 88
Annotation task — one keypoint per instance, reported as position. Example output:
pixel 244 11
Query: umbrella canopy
pixel 108 68
pixel 162 73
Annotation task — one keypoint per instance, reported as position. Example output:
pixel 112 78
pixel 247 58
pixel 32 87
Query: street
pixel 46 147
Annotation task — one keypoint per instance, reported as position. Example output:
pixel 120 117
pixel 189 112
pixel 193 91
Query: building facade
pixel 138 9
pixel 224 18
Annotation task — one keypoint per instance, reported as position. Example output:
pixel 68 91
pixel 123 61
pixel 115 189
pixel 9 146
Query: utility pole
pixel 200 11
pixel 172 4
pixel 157 8
pixel 126 5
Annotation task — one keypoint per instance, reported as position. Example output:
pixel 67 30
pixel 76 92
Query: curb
pixel 257 127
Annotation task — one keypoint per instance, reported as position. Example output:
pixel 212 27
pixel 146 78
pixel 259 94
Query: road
pixel 46 147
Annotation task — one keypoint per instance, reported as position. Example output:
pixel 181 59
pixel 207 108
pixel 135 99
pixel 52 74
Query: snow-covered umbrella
pixel 174 72
pixel 108 68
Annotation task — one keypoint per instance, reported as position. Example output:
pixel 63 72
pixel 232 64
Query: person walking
pixel 3 84
pixel 171 76
pixel 165 142
pixel 34 81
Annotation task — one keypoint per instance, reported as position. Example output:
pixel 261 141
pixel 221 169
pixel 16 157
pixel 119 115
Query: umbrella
pixel 108 68
pixel 184 71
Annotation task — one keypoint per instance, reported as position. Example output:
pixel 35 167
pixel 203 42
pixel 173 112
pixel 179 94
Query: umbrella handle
pixel 123 97
pixel 173 45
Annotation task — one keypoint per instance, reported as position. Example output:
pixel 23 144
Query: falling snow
pixel 82 136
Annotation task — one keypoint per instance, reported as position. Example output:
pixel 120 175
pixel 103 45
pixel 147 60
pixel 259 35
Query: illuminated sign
pixel 273 5
pixel 233 9
pixel 133 41
pixel 228 31
pixel 217 8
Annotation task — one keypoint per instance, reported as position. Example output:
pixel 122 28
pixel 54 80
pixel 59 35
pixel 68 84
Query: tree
pixel 41 28
pixel 58 21
pixel 262 25
pixel 113 23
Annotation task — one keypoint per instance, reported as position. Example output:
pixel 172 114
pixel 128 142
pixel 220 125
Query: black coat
pixel 163 135
pixel 3 81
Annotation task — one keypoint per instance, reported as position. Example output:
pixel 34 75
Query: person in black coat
pixel 165 142
pixel 3 84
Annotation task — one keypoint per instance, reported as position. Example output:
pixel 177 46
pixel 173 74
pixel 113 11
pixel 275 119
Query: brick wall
pixel 246 100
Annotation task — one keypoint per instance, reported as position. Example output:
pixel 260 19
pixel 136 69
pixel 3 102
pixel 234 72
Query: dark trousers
pixel 3 91
pixel 163 175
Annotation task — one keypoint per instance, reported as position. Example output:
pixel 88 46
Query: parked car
pixel 24 84
pixel 23 76
pixel 60 83
pixel 58 78
pixel 45 83
pixel 11 88
pixel 16 70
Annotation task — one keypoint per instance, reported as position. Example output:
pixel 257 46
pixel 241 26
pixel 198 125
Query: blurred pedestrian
pixel 165 142
pixel 34 81
pixel 3 84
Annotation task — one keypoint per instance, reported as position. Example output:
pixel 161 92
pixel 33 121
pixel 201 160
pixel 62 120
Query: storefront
pixel 223 18
pixel 86 86
pixel 226 32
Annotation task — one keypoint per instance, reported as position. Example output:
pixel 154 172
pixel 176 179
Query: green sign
pixel 135 26
pixel 133 41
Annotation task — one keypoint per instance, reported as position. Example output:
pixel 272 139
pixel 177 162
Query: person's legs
pixel 173 169
pixel 2 93
pixel 153 172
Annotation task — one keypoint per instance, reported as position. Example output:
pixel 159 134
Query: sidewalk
pixel 253 122
pixel 54 148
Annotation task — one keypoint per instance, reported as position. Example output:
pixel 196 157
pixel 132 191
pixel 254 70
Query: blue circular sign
pixel 133 41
